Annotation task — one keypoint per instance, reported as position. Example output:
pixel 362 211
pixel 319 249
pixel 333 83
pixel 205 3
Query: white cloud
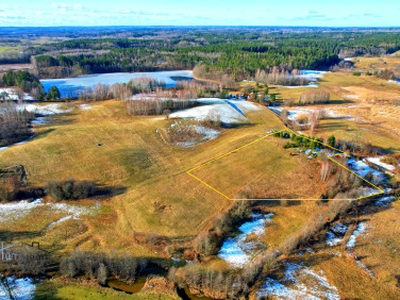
pixel 64 6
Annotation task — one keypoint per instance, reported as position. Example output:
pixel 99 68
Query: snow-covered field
pixel 239 251
pixel 45 110
pixel 13 95
pixel 16 210
pixel 22 288
pixel 299 282
pixel 179 127
pixel 226 111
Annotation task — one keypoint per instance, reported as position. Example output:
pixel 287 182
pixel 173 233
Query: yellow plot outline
pixel 259 139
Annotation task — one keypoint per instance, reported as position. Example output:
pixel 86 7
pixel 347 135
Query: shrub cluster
pixel 212 283
pixel 299 141
pixel 70 189
pixel 99 266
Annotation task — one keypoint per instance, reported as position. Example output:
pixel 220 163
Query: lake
pixel 71 87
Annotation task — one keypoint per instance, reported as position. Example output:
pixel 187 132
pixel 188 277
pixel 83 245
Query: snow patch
pixel 361 228
pixel 13 94
pixel 59 221
pixel 44 110
pixel 85 107
pixel 377 161
pixel 362 169
pixel 226 111
pixel 384 201
pixel 299 282
pixel 22 288
pixel 16 210
pixel 238 251
pixel 336 234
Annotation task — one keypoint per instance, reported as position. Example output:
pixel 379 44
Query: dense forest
pixel 238 54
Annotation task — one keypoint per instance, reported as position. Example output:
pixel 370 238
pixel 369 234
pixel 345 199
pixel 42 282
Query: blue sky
pixel 204 12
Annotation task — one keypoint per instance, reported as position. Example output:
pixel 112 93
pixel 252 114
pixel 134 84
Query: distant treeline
pixel 233 53
pixel 14 58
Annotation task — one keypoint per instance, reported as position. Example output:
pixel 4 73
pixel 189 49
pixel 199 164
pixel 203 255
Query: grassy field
pixel 6 49
pixel 266 168
pixel 377 63
pixel 143 173
pixel 379 248
pixel 351 281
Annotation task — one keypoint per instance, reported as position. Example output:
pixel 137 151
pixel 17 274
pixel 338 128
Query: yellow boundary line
pixel 259 139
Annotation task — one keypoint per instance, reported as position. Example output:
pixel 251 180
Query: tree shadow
pixel 102 192
pixel 43 134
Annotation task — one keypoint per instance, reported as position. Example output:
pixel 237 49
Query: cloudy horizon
pixel 197 13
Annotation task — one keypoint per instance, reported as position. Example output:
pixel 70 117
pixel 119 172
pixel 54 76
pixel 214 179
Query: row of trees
pixel 314 97
pixel 99 266
pixel 280 77
pixel 122 91
pixel 14 125
pixel 156 105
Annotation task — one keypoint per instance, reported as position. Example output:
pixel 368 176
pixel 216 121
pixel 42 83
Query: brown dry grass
pixel 379 249
pixel 141 169
pixel 268 169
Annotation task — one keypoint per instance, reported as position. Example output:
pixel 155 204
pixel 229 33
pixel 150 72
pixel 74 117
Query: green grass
pixel 6 49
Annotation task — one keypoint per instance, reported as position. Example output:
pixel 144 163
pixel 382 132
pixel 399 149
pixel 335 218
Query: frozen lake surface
pixel 71 87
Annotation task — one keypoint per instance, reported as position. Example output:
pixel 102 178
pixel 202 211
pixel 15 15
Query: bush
pixel 97 266
pixel 70 189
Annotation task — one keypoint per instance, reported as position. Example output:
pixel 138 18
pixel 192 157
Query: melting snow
pixel 335 236
pixel 13 94
pixel 362 169
pixel 16 210
pixel 238 251
pixel 86 107
pixel 361 228
pixel 226 111
pixel 292 285
pixel 45 110
pixel 377 161
pixel 22 288
pixel 384 201
pixel 60 221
